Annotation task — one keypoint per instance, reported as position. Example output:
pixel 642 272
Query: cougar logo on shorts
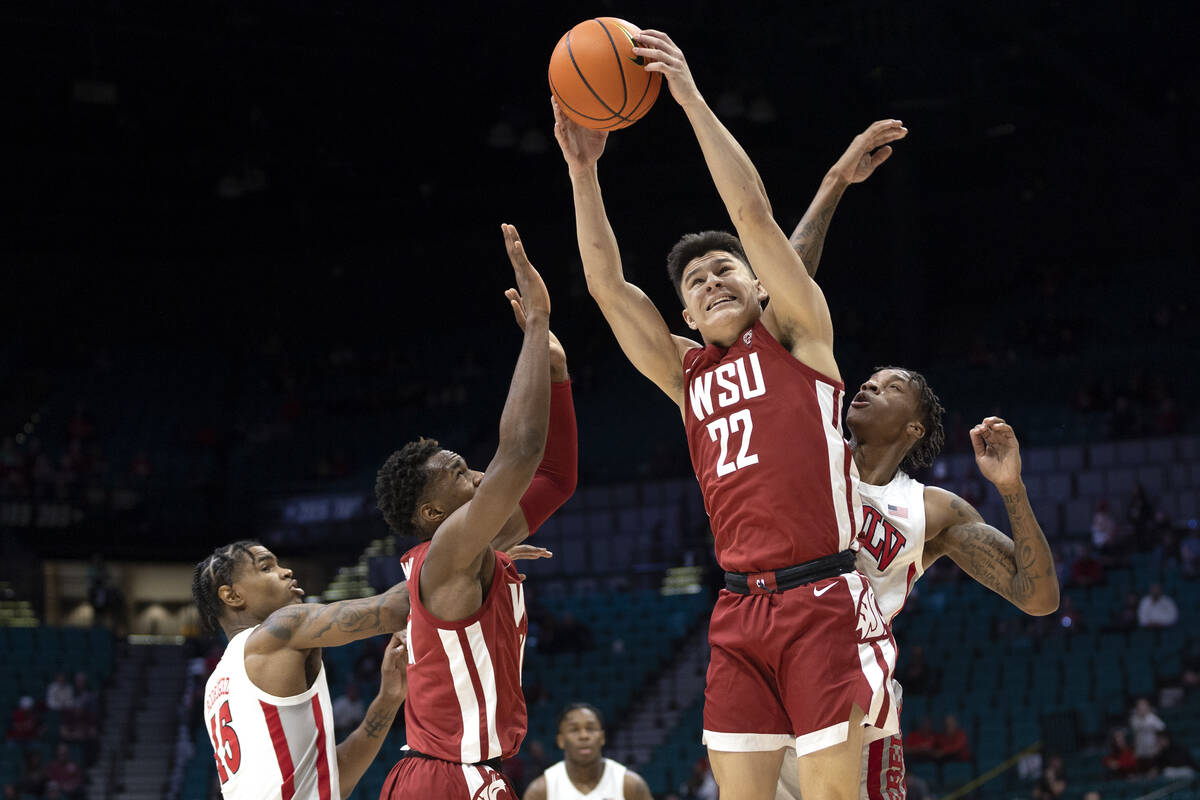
pixel 870 624
pixel 496 790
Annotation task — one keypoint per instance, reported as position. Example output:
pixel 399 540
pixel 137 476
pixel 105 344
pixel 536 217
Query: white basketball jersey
pixel 892 539
pixel 267 747
pixel 610 787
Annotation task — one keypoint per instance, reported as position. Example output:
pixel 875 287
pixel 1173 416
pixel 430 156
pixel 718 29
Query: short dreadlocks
pixel 925 449
pixel 211 574
pixel 400 483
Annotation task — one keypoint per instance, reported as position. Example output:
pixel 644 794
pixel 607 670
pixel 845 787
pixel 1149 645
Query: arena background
pixel 251 250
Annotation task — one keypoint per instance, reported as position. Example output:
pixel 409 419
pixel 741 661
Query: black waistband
pixel 491 763
pixel 781 580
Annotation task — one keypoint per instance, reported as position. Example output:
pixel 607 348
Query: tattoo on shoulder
pixel 284 622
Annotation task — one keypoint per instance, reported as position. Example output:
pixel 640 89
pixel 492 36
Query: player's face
pixel 453 482
pixel 885 405
pixel 721 296
pixel 581 736
pixel 265 584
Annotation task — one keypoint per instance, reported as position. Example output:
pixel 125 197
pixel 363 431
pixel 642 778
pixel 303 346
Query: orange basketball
pixel 597 79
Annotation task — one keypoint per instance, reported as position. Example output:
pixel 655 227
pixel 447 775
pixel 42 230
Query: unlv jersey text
pixel 734 383
pixel 880 538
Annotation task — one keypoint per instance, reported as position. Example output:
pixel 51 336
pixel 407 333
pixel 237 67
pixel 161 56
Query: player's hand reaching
pixel 527 552
pixel 868 150
pixel 997 453
pixel 393 672
pixel 558 356
pixel 581 147
pixel 531 290
pixel 662 55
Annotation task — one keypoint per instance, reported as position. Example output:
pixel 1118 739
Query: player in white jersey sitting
pixel 895 426
pixel 584 773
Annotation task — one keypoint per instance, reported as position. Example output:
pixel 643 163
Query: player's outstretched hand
pixel 997 452
pixel 527 552
pixel 393 672
pixel 558 356
pixel 868 150
pixel 581 147
pixel 531 290
pixel 664 56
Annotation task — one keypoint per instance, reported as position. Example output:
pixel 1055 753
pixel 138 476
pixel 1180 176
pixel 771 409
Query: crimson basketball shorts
pixel 787 668
pixel 428 778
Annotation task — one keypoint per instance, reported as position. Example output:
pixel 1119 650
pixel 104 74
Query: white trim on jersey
pixel 845 501
pixel 468 704
pixel 487 678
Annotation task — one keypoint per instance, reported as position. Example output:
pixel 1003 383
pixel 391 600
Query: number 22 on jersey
pixel 226 749
pixel 720 430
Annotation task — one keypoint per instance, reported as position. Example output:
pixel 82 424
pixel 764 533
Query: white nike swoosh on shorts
pixel 823 591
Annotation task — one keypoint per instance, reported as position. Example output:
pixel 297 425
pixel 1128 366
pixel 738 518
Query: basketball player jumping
pixel 466 632
pixel 801 656
pixel 895 429
pixel 584 772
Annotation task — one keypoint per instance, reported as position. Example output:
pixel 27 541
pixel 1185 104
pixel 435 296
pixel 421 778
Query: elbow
pixel 1043 606
pixel 754 212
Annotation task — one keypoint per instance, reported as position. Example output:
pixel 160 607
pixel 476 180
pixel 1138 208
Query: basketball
pixel 597 79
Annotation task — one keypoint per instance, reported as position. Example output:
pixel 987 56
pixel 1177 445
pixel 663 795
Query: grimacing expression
pixel 451 484
pixel 721 295
pixel 263 584
pixel 580 736
pixel 886 403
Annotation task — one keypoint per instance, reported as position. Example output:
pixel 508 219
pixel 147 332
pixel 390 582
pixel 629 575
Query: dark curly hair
pixel 694 245
pixel 401 481
pixel 925 449
pixel 211 574
pixel 569 707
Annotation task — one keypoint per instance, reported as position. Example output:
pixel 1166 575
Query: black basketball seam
pixel 645 91
pixel 579 72
pixel 567 105
pixel 620 66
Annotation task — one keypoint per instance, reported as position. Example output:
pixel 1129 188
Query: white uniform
pixel 269 747
pixel 892 546
pixel 610 787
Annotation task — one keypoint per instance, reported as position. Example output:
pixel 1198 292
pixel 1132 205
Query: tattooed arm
pixel 304 626
pixel 868 150
pixel 1021 569
pixel 358 750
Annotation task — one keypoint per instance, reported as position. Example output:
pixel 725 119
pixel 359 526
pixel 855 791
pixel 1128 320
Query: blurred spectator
pixel 1087 569
pixel 33 774
pixel 66 773
pixel 1053 782
pixel 952 744
pixel 1125 618
pixel 1146 726
pixel 1104 527
pixel 10 792
pixel 1091 794
pixel 1140 514
pixel 921 744
pixel 348 711
pixel 1189 553
pixel 59 694
pixel 914 673
pixel 1173 760
pixel 1120 761
pixel 1157 610
pixel 24 724
pixel 916 787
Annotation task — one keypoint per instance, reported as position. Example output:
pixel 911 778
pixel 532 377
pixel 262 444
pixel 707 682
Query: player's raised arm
pixel 633 318
pixel 356 752
pixel 464 537
pixel 1020 569
pixel 796 302
pixel 866 152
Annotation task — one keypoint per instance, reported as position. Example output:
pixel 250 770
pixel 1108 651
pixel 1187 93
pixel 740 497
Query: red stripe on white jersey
pixel 322 762
pixel 287 789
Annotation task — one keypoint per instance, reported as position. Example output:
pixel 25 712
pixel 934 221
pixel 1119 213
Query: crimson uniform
pixel 779 483
pixel 465 710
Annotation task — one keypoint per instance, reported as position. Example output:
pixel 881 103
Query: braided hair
pixel 925 449
pixel 400 483
pixel 211 574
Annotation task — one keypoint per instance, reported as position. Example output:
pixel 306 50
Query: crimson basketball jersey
pixel 464 678
pixel 765 435
pixel 892 539
pixel 267 747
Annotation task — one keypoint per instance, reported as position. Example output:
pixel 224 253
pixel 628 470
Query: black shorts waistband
pixel 491 763
pixel 781 580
